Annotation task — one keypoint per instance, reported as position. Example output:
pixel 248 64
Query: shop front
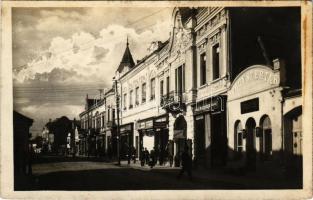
pixel 160 125
pixel 126 140
pixel 153 135
pixel 210 131
pixel 101 144
pixel 255 117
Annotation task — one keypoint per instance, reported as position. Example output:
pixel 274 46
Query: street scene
pixel 177 98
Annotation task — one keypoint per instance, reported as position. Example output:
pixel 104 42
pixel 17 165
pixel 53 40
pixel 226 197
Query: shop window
pixel 238 138
pixel 216 61
pixel 143 93
pixel 297 135
pixel 266 138
pixel 203 69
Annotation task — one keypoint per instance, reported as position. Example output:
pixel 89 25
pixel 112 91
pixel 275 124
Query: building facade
pixel 229 90
pixel 92 139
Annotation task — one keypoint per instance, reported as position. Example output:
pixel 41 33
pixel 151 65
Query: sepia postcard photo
pixel 156 100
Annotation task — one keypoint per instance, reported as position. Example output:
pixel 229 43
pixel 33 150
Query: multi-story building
pixel 93 127
pixel 228 88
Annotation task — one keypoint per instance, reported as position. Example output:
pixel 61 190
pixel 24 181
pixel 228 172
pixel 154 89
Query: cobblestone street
pixel 83 174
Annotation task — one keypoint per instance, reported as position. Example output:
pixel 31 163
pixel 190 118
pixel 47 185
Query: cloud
pixel 61 54
pixel 84 57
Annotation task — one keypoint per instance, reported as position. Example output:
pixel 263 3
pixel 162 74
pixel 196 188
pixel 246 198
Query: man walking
pixel 186 164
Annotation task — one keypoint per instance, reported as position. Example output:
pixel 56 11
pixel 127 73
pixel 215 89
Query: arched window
pixel 266 137
pixel 238 137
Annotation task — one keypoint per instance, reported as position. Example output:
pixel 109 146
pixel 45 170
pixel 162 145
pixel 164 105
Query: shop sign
pixel 253 79
pixel 145 124
pixel 160 125
pixel 248 106
pixel 125 128
pixel 210 104
pixel 199 117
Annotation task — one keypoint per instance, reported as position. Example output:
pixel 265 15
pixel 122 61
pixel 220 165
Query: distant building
pixel 92 122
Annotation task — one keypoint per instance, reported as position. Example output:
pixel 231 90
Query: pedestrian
pixel 170 157
pixel 152 158
pixel 186 164
pixel 134 154
pixel 147 156
pixel 142 158
pixel 156 154
pixel 129 152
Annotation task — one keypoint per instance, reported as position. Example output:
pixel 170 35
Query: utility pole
pixel 118 122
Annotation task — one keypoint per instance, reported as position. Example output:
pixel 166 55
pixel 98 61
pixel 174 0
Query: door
pixel 250 144
pixel 199 137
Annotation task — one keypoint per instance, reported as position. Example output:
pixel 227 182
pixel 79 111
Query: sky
pixel 62 54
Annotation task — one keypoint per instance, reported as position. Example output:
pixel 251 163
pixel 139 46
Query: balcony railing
pixel 173 98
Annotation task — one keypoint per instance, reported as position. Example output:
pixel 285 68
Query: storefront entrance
pixel 218 140
pixel 154 135
pixel 250 144
pixel 180 139
pixel 180 134
pixel 126 140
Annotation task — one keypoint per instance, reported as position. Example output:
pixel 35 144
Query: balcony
pixel 174 101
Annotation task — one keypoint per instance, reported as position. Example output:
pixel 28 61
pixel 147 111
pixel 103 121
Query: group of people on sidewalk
pixel 151 158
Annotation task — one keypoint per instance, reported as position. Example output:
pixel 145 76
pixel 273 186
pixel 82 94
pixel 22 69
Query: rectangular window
pixel 124 101
pixel 137 96
pixel 152 89
pixel 143 93
pixel 167 85
pixel 109 114
pixel 203 69
pixel 161 88
pixel 113 115
pixel 248 106
pixel 180 79
pixel 131 99
pixel 216 61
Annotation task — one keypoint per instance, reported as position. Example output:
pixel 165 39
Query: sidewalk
pixel 250 180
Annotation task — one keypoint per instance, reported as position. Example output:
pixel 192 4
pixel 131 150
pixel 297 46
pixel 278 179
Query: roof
pixel 18 117
pixel 293 93
pixel 162 45
pixel 127 59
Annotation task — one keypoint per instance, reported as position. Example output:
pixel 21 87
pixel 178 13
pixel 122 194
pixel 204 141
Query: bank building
pixel 227 83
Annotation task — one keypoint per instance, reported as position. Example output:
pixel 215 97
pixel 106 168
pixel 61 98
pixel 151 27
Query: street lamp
pixel 118 121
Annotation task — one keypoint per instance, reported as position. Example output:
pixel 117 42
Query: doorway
pixel 250 144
